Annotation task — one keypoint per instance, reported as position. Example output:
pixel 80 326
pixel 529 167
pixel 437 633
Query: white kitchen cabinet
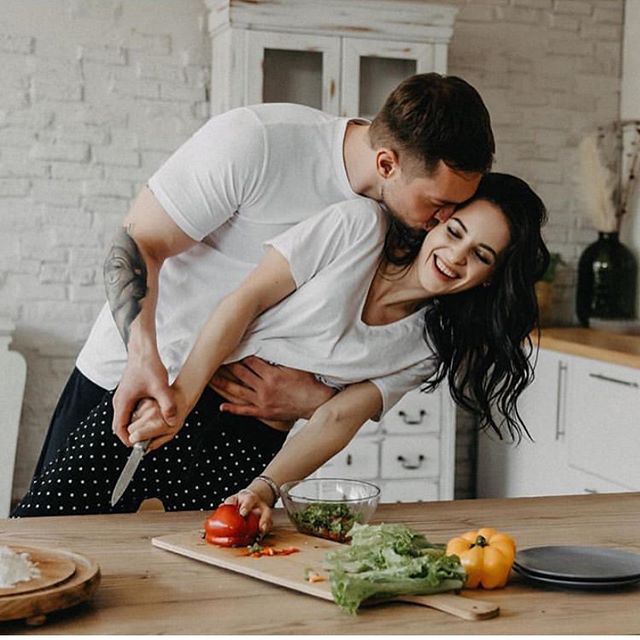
pixel 303 68
pixel 409 454
pixel 604 410
pixel 344 57
pixel 341 56
pixel 529 468
pixel 584 416
pixel 360 459
pixel 372 68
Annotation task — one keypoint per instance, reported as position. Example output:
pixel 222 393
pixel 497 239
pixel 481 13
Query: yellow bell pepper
pixel 486 555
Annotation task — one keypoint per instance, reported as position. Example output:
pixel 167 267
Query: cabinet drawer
pixel 583 482
pixel 359 459
pixel 416 413
pixel 420 490
pixel 410 456
pixel 604 426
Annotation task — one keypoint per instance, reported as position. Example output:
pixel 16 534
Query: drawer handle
pixel 591 490
pixel 626 383
pixel 407 420
pixel 349 459
pixel 562 372
pixel 408 465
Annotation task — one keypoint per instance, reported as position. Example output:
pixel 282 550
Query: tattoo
pixel 125 281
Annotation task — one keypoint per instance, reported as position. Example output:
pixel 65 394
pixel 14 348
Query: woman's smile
pixel 442 268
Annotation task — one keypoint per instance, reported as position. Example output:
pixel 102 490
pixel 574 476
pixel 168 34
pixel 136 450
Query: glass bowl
pixel 329 507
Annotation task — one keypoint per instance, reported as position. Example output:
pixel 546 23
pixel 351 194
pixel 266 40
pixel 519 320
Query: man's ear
pixel 387 162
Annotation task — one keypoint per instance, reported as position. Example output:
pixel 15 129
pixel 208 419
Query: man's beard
pixel 390 211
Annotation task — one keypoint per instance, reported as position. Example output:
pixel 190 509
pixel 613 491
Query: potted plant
pixel 607 269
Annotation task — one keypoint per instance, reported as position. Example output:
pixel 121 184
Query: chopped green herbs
pixel 326 520
pixel 387 560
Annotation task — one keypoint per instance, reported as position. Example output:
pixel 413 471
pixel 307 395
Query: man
pixel 195 231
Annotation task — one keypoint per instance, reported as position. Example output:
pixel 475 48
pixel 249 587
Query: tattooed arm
pixel 125 281
pixel 131 269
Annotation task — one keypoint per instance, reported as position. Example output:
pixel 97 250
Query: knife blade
pixel 135 457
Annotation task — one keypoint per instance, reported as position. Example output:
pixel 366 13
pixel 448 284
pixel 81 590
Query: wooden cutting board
pixel 68 579
pixel 54 568
pixel 289 571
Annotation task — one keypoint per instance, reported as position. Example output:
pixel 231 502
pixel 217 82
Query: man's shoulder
pixel 359 215
pixel 286 113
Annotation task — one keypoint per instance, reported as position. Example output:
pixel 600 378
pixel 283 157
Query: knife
pixel 135 458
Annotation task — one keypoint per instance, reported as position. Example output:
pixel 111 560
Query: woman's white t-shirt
pixel 333 258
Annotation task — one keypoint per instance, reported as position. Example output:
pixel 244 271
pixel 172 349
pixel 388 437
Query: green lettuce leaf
pixel 387 560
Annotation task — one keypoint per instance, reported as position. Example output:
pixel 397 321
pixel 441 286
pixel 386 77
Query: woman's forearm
pixel 328 431
pixel 219 337
pixel 265 286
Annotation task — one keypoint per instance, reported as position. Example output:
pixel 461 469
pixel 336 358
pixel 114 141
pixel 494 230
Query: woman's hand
pixel 142 380
pixel 254 497
pixel 149 424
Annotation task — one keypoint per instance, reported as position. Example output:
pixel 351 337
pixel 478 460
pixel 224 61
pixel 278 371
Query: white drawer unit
pixel 584 415
pixel 604 431
pixel 410 454
pixel 359 459
pixel 410 457
pixel 408 491
pixel 416 413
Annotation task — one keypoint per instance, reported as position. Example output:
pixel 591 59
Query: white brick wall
pixel 549 71
pixel 96 93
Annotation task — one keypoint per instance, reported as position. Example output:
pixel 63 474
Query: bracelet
pixel 272 485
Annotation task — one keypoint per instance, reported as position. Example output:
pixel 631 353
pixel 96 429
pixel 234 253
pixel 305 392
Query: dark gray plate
pixel 589 585
pixel 579 563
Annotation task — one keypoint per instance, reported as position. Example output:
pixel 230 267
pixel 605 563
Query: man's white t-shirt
pixel 333 257
pixel 243 178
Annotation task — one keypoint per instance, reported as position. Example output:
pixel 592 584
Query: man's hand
pixel 142 379
pixel 256 388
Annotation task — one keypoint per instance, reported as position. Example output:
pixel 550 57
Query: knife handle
pixel 143 444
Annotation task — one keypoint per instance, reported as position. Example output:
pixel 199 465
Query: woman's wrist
pixel 266 488
pixel 185 401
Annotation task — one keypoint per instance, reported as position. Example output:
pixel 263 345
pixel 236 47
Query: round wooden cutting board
pixel 82 579
pixel 54 568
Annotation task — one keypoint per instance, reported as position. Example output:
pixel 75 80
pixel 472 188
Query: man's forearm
pixel 130 284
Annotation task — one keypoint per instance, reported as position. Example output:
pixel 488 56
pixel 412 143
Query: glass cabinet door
pixel 287 67
pixel 371 69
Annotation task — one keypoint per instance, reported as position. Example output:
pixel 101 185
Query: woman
pixel 458 303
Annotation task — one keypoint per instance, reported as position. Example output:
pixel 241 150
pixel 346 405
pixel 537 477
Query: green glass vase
pixel 607 277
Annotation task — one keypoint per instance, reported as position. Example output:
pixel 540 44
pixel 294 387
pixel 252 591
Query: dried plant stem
pixel 600 184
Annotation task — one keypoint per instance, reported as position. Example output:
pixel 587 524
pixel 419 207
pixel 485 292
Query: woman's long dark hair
pixel 481 337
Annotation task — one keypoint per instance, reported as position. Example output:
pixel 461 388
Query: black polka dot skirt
pixel 213 456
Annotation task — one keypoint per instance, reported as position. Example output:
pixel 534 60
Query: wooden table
pixel 146 590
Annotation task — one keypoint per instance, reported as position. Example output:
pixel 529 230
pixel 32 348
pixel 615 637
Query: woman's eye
pixel 453 232
pixel 483 258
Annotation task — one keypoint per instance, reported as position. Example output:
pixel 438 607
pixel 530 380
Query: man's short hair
pixel 430 117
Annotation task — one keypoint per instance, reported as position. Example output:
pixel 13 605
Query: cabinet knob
pixel 411 465
pixel 417 420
